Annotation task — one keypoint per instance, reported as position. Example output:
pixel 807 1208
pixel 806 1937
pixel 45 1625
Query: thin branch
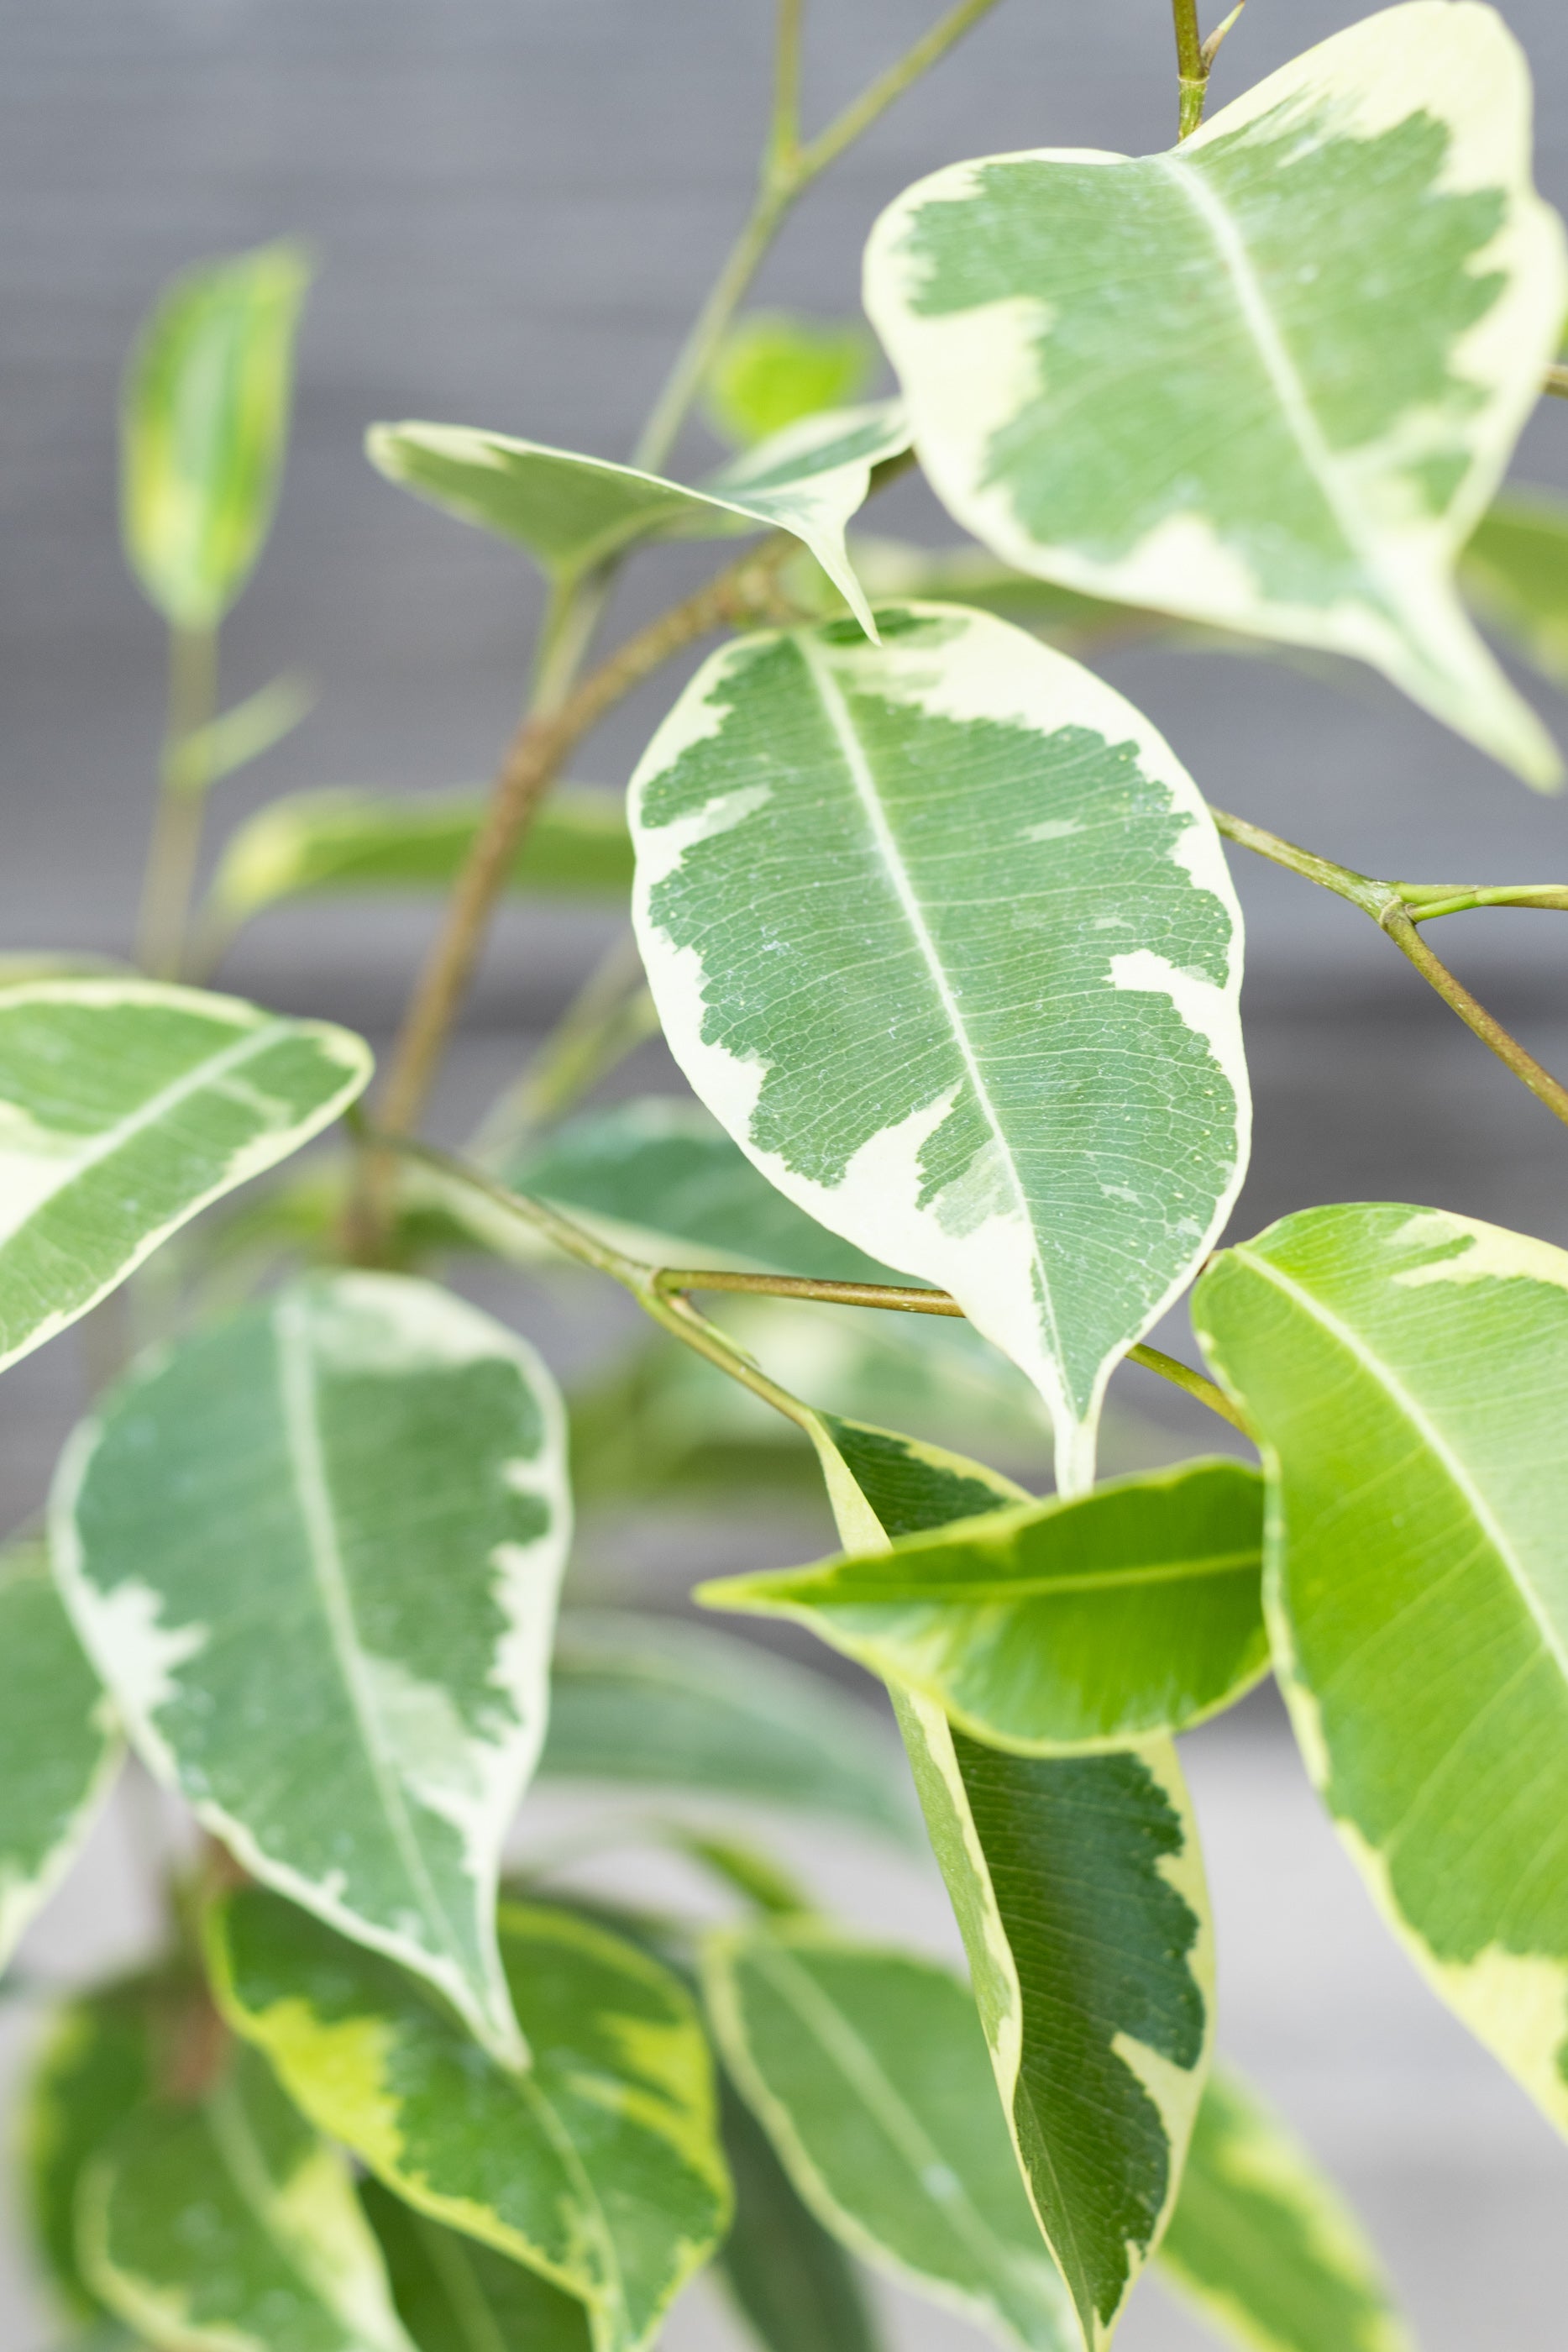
pixel 1557 382
pixel 879 95
pixel 184 776
pixel 1485 1026
pixel 784 132
pixel 1192 70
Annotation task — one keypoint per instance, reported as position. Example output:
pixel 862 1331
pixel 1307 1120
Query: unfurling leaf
pixel 775 367
pixel 1269 380
pixel 204 423
pixel 941 931
pixel 1264 2246
pixel 1515 573
pixel 1405 1370
pixel 314 1551
pixel 454 2294
pixel 869 2072
pixel 788 2276
pixel 229 2227
pixel 572 512
pixel 597 2164
pixel 125 1106
pixel 59 1743
pixel 1134 1610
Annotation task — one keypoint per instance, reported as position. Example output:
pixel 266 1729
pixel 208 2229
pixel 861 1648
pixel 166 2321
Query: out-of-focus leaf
pixel 203 425
pixel 597 2164
pixel 455 2295
pixel 59 1743
pixel 387 1466
pixel 1296 449
pixel 125 1106
pixel 238 736
pixel 1515 573
pixel 775 367
pixel 791 2280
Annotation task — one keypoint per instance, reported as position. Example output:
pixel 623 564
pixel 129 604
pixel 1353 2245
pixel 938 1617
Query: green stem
pixel 1557 382
pixel 609 1017
pixel 784 134
pixel 1192 70
pixel 176 845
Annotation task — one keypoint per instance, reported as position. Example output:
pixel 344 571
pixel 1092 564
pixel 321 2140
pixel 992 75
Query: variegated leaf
pixel 597 2164
pixel 1269 380
pixel 125 1106
pixel 791 2280
pixel 385 1466
pixel 570 512
pixel 942 932
pixel 1407 1371
pixel 454 2294
pixel 1515 573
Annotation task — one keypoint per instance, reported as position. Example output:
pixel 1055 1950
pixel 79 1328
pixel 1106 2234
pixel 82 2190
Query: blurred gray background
pixel 515 205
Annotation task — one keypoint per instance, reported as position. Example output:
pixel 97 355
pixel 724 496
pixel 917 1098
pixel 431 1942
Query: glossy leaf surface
pixel 1407 1371
pixel 386 1464
pixel 1515 573
pixel 58 1741
pixel 597 2164
pixel 775 367
pixel 790 2279
pixel 940 931
pixel 125 1106
pixel 229 2227
pixel 868 2071
pixel 648 1702
pixel 1264 2246
pixel 1133 1610
pixel 570 512
pixel 204 423
pixel 454 2294
pixel 1124 377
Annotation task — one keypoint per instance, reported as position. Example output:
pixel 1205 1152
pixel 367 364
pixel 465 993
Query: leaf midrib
pixel 834 1593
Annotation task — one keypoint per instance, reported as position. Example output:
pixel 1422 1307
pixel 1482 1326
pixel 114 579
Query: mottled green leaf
pixel 942 932
pixel 1407 1371
pixel 868 2071
pixel 597 2164
pixel 649 1702
pixel 1135 1609
pixel 1515 573
pixel 790 2279
pixel 774 367
pixel 386 1465
pixel 454 2294
pixel 1269 380
pixel 204 423
pixel 1264 2246
pixel 59 1743
pixel 227 2226
pixel 353 841
pixel 125 1106
pixel 570 512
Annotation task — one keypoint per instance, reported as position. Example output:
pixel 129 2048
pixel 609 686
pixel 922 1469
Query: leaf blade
pixel 454 2294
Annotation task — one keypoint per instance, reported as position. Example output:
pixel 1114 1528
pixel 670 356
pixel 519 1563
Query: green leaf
pixel 204 423
pixel 355 840
pixel 791 2280
pixel 1122 375
pixel 869 2072
pixel 597 2164
pixel 60 1745
pixel 1263 2245
pixel 775 367
pixel 1515 573
pixel 652 1702
pixel 386 1465
pixel 454 2294
pixel 962 870
pixel 229 2227
pixel 126 1106
pixel 1054 1625
pixel 572 512
pixel 1404 1369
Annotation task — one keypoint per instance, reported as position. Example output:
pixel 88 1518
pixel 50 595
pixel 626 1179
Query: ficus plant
pixel 941 932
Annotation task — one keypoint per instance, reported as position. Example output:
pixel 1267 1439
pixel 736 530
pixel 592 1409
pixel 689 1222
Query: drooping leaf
pixel 227 2226
pixel 570 512
pixel 1124 376
pixel 59 1743
pixel 204 423
pixel 597 2164
pixel 650 1702
pixel 790 2279
pixel 1515 573
pixel 127 1105
pixel 454 2294
pixel 1264 2246
pixel 775 367
pixel 869 2072
pixel 1135 1609
pixel 1405 1370
pixel 354 841
pixel 981 1014
pixel 385 1465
